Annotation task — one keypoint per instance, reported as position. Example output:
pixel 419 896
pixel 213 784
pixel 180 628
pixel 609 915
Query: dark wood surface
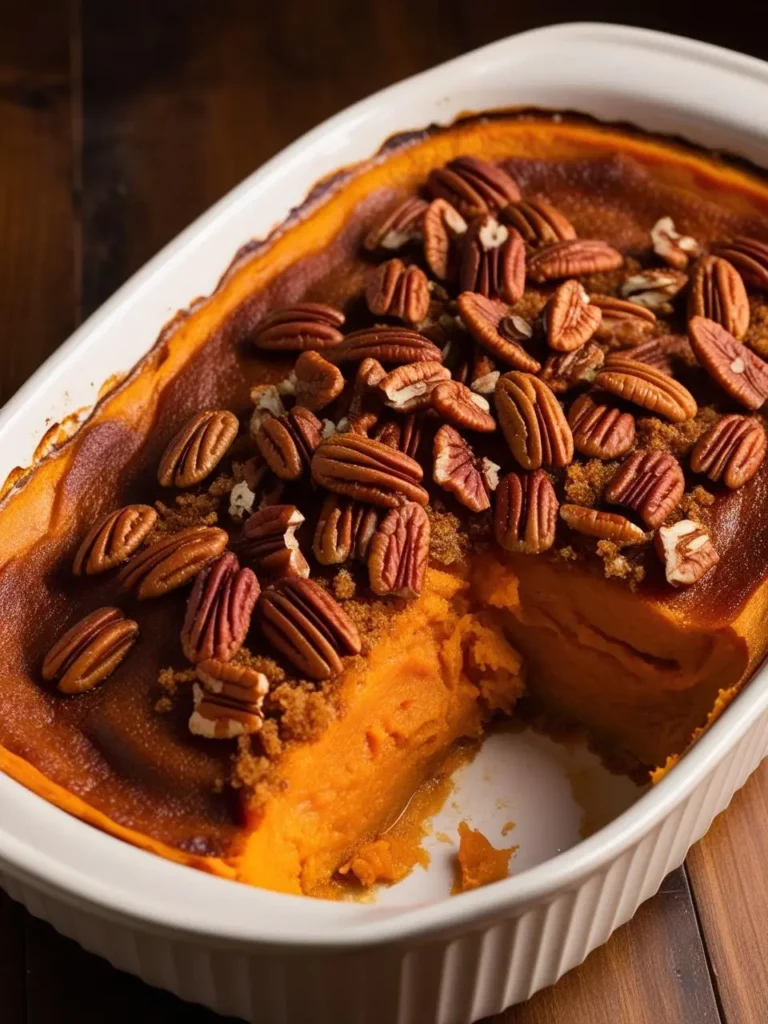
pixel 119 123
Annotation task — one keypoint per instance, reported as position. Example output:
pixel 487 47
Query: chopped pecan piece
pixel 603 525
pixel 307 626
pixel 287 442
pixel 739 372
pixel 649 482
pixel 687 552
pixel 227 700
pixel 393 345
pixel 363 468
pixel 172 561
pixel 398 291
pixel 344 530
pixel 492 261
pixel 718 293
pixel 410 387
pixel 307 325
pixel 732 450
pixel 647 387
pixel 600 432
pixel 267 402
pixel 675 249
pixel 662 353
pixel 534 425
pixel 113 540
pixel 271 544
pixel 492 326
pixel 219 610
pixel 458 470
pixel 623 323
pixel 397 226
pixel 654 289
pixel 473 186
pixel 443 227
pixel 571 319
pixel 525 514
pixel 314 382
pixel 750 257
pixel 462 407
pixel 567 370
pixel 90 650
pixel 572 259
pixel 538 222
pixel 197 448
pixel 399 552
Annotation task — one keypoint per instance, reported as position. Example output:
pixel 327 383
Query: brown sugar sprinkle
pixel 677 438
pixel 617 564
pixel 304 711
pixel 259 663
pixel 269 738
pixel 448 542
pixel 191 510
pixel 221 486
pixel 343 585
pixel 163 705
pixel 586 481
pixel 169 679
pixel 373 619
pixel 567 553
pixel 757 335
pixel 693 505
pixel 252 771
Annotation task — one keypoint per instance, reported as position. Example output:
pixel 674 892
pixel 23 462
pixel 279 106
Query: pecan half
pixel 599 431
pixel 649 482
pixel 534 425
pixel 113 540
pixel 344 530
pixel 525 513
pixel 388 345
pixel 397 225
pixel 287 442
pixel 90 650
pixel 314 382
pixel 675 249
pixel 623 323
pixel 647 387
pixel 603 525
pixel 567 370
pixel 458 470
pixel 399 552
pixel 538 222
pixel 473 186
pixel 365 400
pixel 398 291
pixel 410 387
pixel 219 610
pixel 270 541
pixel 687 552
pixel 654 289
pixel 663 352
pixel 570 318
pixel 172 561
pixel 732 450
pixel 363 468
pixel 750 257
pixel 306 325
pixel 492 326
pixel 572 258
pixel 739 372
pixel 304 623
pixel 718 293
pixel 197 448
pixel 492 261
pixel 462 407
pixel 443 227
pixel 227 700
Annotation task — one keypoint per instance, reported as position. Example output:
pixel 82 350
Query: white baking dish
pixel 274 958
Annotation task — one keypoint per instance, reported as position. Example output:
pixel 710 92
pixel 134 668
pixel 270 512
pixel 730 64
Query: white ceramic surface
pixel 413 957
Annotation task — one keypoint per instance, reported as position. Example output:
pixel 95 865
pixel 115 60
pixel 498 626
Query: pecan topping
pixel 525 514
pixel 491 325
pixel 749 257
pixel 492 261
pixel 687 552
pixel 572 258
pixel 732 450
pixel 399 291
pixel 570 317
pixel 388 345
pixel 600 432
pixel 219 610
pixel 362 468
pixel 647 387
pixel 344 530
pixel 567 370
pixel 654 289
pixel 603 525
pixel 258 488
pixel 532 421
pixel 397 226
pixel 267 402
pixel 410 387
pixel 306 325
pixel 649 482
pixel 304 623
pixel 287 442
pixel 114 539
pixel 473 186
pixel 458 470
pixel 270 541
pixel 365 401
pixel 399 552
pixel 410 436
pixel 314 382
pixel 538 223
pixel 173 560
pixel 674 248
pixel 662 353
pixel 623 322
pixel 457 404
pixel 90 650
pixel 718 293
pixel 738 371
pixel 197 449
pixel 443 226
pixel 227 700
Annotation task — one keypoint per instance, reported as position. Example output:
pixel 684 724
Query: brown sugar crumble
pixel 585 482
pixel 619 565
pixel 448 543
pixel 678 438
pixel 191 510
pixel 304 711
pixel 343 585
pixel 693 504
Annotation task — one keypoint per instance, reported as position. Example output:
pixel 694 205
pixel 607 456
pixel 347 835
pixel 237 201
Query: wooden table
pixel 119 123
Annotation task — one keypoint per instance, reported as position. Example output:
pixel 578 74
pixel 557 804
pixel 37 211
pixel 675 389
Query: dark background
pixel 119 123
